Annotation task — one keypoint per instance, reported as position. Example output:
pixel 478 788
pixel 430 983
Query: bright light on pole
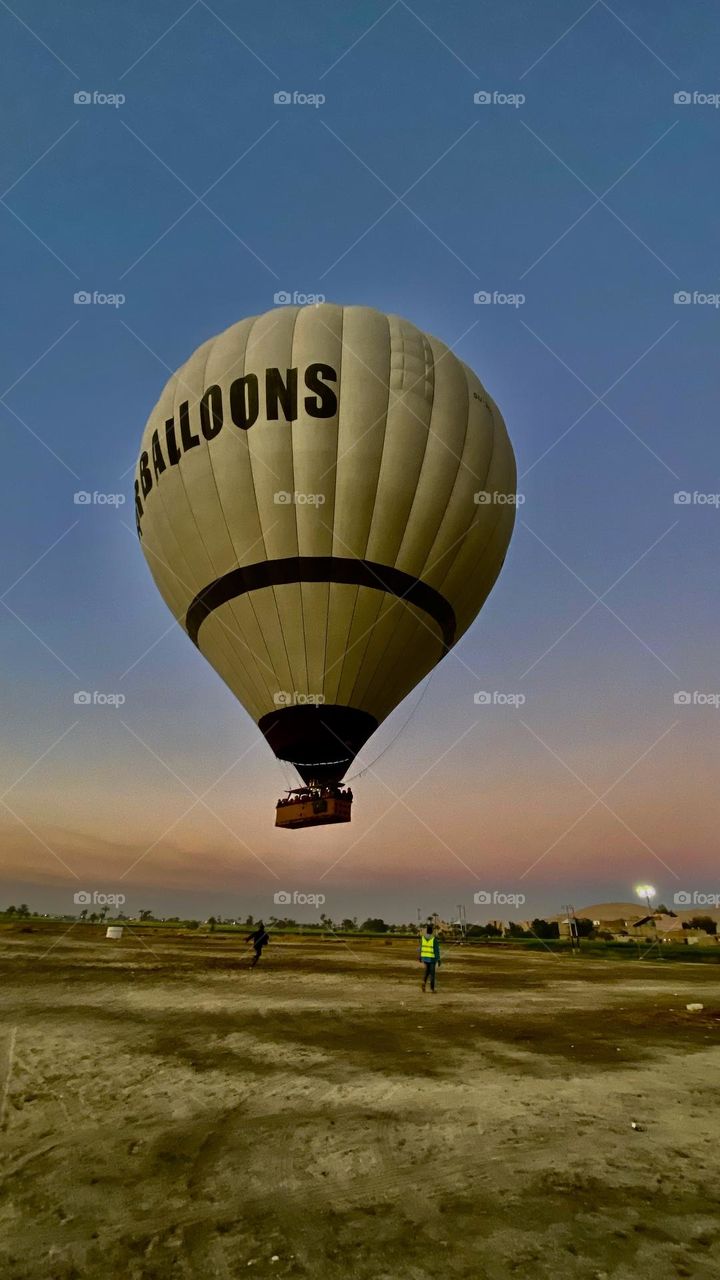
pixel 645 891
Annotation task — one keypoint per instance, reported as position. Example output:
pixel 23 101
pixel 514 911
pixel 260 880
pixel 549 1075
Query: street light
pixel 647 892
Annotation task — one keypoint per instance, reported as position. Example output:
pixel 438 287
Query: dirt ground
pixel 164 1112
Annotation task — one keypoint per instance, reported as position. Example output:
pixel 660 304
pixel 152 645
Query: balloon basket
pixel 309 807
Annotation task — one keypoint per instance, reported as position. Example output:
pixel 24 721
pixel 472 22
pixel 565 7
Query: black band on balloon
pixel 341 569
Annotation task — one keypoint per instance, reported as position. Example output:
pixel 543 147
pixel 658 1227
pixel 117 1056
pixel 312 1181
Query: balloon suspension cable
pixel 392 741
pixel 290 775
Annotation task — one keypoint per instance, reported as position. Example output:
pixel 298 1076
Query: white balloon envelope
pixel 325 497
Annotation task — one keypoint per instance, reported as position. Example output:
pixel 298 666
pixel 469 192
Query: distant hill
pixel 633 911
pixel 614 911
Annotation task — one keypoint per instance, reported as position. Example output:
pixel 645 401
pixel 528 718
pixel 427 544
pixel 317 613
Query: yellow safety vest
pixel 427 947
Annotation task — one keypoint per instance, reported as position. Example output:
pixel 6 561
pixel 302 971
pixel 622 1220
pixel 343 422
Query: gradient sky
pixel 597 199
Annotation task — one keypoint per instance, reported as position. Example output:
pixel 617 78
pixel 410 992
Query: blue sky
pixel 400 192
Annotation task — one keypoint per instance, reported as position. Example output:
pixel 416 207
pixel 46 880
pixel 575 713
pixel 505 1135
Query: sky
pixel 180 191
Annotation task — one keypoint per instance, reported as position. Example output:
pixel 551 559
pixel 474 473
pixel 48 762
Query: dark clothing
pixel 430 967
pixel 259 939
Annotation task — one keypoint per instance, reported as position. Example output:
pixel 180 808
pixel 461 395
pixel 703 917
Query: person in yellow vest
pixel 429 955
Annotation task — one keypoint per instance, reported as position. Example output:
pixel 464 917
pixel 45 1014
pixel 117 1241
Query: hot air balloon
pixel 324 497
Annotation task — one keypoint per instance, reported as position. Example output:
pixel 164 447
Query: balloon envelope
pixel 324 498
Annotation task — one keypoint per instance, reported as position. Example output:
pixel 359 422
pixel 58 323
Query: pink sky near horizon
pixel 111 815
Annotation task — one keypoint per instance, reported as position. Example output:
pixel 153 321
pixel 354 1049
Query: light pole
pixel 647 892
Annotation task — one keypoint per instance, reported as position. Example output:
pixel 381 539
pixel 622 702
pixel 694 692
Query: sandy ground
pixel 165 1112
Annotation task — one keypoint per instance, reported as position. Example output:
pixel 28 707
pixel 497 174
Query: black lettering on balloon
pixel 324 404
pixel 188 439
pixel 244 401
pixel 157 457
pixel 282 393
pixel 138 508
pixel 173 452
pixel 211 412
pixel 146 480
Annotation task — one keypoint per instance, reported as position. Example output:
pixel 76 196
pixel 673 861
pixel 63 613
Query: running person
pixel 259 938
pixel 429 955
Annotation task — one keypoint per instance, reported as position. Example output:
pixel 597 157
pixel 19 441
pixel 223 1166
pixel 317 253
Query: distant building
pixel 663 928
